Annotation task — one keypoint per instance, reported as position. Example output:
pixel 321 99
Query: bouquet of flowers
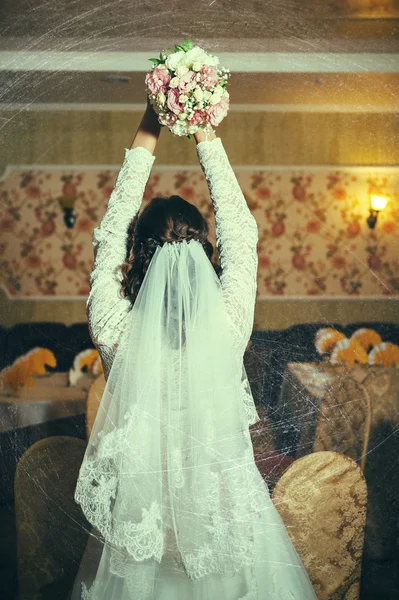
pixel 187 89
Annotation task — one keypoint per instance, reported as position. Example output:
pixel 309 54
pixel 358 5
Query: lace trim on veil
pixel 97 487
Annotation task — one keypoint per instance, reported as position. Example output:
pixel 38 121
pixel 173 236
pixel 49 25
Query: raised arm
pixel 106 307
pixel 236 237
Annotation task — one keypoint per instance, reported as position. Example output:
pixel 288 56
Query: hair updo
pixel 163 220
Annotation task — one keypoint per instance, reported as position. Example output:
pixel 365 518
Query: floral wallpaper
pixel 313 236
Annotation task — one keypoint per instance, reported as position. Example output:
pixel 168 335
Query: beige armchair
pixel 359 417
pixel 344 420
pixel 51 529
pixel 322 500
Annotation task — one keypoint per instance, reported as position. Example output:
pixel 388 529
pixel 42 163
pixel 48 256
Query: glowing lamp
pixel 377 203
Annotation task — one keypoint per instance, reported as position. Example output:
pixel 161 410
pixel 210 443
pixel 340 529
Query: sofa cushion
pixel 65 342
pixel 25 336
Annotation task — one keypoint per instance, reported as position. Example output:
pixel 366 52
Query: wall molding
pixel 249 108
pixel 245 62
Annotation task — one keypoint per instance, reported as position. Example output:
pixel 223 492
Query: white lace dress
pixel 236 236
pixel 277 572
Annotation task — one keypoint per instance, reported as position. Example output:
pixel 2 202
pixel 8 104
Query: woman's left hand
pixel 148 131
pixel 150 112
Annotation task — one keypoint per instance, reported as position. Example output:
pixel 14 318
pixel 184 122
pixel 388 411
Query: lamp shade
pixel 378 202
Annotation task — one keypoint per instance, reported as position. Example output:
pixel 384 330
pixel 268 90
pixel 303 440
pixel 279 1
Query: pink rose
pixel 217 112
pixel 158 80
pixel 188 82
pixel 198 117
pixel 173 102
pixel 209 77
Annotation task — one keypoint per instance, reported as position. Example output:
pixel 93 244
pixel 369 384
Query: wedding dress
pixel 168 482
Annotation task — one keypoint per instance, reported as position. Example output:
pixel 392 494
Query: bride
pixel 169 484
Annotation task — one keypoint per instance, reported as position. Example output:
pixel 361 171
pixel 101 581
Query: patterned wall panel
pixel 313 237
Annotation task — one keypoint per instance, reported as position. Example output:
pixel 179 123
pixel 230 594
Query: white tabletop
pixel 49 398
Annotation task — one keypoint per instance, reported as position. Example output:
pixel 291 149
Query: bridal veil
pixel 168 481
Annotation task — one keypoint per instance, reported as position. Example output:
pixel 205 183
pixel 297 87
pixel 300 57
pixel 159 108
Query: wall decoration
pixel 314 240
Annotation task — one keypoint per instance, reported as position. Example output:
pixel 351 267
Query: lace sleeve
pixel 236 239
pixel 106 307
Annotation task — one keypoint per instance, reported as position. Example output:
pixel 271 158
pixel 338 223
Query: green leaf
pixel 156 61
pixel 179 48
pixel 187 44
pixel 190 136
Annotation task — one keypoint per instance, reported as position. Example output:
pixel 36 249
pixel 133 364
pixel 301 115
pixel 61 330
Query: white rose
pixel 175 59
pixel 213 61
pixel 195 55
pixel 216 96
pixel 181 70
pixel 161 98
pixel 193 129
pixel 174 82
pixel 198 94
pixel 207 95
pixel 183 98
pixel 182 116
pixel 197 65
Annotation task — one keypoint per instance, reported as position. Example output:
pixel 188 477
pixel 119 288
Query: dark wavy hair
pixel 163 220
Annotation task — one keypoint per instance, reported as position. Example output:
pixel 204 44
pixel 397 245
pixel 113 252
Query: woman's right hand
pixel 201 136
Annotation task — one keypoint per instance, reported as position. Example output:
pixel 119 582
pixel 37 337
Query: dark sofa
pixel 270 351
pixel 65 341
pixel 265 359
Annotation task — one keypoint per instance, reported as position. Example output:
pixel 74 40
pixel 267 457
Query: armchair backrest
pixel 319 495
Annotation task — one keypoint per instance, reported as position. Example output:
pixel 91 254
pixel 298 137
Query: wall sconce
pixel 67 205
pixel 377 203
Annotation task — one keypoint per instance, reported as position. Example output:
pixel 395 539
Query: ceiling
pixel 93 53
pixel 258 19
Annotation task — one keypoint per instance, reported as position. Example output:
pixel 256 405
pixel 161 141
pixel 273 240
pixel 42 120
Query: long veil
pixel 168 473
